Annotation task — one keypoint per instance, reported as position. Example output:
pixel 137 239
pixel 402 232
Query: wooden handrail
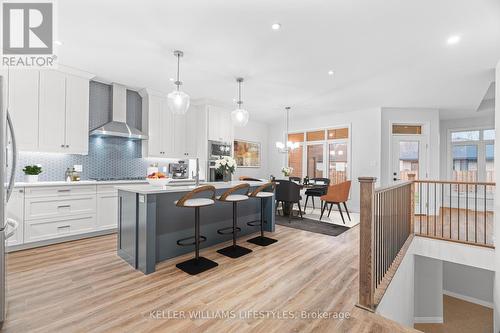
pixel 390 216
pixel 391 187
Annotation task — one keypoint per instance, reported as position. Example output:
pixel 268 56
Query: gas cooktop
pixel 107 179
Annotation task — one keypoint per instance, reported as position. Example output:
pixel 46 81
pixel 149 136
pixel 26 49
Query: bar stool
pixel 233 251
pixel 197 264
pixel 260 193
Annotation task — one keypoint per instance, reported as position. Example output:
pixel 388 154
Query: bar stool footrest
pixel 224 231
pixel 255 223
pixel 234 251
pixel 182 242
pixel 262 241
pixel 196 265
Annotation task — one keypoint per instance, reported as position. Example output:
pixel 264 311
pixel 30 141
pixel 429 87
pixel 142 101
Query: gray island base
pixel 150 224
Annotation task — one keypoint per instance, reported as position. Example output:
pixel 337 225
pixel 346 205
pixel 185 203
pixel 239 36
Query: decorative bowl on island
pixel 158 179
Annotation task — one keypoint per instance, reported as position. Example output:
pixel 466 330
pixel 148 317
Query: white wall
pixel 480 121
pixel 398 301
pixel 365 147
pixel 468 283
pixel 497 205
pixel 256 132
pixel 428 117
pixel 428 290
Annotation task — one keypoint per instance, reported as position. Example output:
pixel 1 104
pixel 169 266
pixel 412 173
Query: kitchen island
pixel 149 222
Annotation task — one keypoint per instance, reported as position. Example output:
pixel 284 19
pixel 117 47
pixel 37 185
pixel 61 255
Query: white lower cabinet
pixel 15 211
pixel 56 207
pixel 44 229
pixel 107 207
pixel 47 213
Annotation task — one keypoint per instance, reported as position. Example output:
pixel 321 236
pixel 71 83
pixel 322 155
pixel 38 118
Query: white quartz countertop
pixel 81 182
pixel 149 189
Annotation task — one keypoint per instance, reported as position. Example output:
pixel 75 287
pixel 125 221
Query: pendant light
pixel 239 116
pixel 282 147
pixel 177 100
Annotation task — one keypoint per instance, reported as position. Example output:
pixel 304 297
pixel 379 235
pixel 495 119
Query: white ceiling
pixel 385 53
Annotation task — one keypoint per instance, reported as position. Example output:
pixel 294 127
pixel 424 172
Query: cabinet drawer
pixel 54 228
pixel 59 191
pixel 40 208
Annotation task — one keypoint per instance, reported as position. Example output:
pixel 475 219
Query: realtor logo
pixel 27 28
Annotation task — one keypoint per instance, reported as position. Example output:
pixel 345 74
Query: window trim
pixel 326 142
pixel 481 143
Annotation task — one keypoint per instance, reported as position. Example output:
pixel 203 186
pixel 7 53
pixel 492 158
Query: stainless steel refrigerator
pixel 8 158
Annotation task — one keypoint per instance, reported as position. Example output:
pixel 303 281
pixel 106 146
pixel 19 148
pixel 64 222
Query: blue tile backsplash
pixel 108 156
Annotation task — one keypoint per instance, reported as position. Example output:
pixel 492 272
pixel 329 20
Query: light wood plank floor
pixel 83 286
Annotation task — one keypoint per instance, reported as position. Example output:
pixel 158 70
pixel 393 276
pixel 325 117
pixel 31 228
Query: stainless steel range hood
pixel 118 127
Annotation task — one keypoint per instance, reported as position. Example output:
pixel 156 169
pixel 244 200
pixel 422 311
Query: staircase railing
pixel 455 211
pixel 386 224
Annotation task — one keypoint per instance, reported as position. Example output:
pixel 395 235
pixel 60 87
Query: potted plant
pixel 225 166
pixel 31 173
pixel 287 171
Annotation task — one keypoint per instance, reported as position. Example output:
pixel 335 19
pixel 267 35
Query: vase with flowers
pixel 225 166
pixel 287 171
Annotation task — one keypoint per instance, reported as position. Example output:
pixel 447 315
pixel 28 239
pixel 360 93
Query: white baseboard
pixel 468 299
pixel 428 320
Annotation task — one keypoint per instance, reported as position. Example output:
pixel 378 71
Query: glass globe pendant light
pixel 177 100
pixel 239 116
pixel 286 146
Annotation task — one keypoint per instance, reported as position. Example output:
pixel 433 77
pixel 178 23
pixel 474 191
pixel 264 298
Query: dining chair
pixel 288 193
pixel 320 188
pixel 337 194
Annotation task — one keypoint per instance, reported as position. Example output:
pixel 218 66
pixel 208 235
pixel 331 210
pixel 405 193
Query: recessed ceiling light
pixel 330 72
pixel 171 79
pixel 453 39
pixel 58 42
pixel 276 26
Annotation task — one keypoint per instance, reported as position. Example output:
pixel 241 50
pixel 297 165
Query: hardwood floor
pixel 83 286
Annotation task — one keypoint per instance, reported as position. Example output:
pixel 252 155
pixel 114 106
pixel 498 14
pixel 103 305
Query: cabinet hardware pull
pixel 62 146
pixel 63 190
pixel 67 146
pixel 64 206
pixel 63 226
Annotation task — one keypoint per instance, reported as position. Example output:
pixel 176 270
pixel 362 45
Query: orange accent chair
pixel 337 194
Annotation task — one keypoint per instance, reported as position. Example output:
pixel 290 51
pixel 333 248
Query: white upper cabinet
pixel 77 115
pixel 220 127
pixel 153 106
pixel 52 108
pixel 64 113
pixel 23 107
pixel 170 136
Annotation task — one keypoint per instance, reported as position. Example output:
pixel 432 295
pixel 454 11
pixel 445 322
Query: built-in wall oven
pixel 216 150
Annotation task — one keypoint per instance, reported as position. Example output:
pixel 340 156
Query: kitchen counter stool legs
pixel 234 250
pixel 197 264
pixel 262 195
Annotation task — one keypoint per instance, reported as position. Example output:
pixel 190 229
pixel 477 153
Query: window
pixel 337 167
pixel 315 164
pixel 472 155
pixel 322 153
pixel 406 129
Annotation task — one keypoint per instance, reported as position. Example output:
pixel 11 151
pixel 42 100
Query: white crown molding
pixel 74 71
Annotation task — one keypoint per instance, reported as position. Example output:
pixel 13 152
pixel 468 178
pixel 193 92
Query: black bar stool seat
pixel 261 194
pixel 198 264
pixel 234 250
